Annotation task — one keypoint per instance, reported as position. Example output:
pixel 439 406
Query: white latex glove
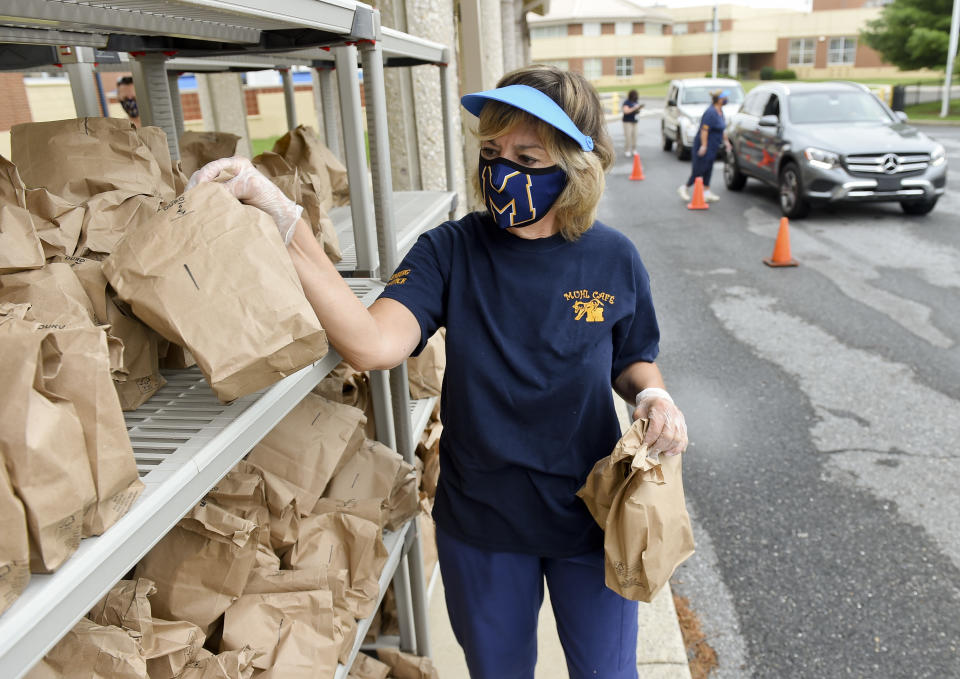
pixel 667 429
pixel 250 186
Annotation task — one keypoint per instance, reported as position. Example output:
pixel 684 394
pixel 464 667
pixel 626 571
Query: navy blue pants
pixel 493 599
pixel 702 166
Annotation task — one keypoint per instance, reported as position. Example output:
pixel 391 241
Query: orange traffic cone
pixel 781 249
pixel 637 168
pixel 698 203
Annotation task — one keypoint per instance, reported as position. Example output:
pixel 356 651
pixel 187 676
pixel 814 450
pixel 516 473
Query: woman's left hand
pixel 702 151
pixel 667 428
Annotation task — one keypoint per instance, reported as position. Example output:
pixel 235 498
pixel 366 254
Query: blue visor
pixel 534 102
pixel 724 95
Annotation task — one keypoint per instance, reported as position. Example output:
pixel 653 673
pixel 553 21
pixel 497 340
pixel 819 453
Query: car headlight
pixel 825 160
pixel 938 156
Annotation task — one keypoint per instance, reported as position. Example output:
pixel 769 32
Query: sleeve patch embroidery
pixel 398 278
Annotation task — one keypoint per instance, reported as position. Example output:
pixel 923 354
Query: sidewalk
pixel 660 650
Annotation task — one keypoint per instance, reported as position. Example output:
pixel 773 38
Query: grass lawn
pixel 931 110
pixel 261 145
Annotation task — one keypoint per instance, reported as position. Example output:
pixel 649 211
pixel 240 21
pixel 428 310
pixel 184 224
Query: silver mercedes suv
pixel 832 142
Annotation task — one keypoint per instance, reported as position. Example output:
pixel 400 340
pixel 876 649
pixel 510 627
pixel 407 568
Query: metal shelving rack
pixel 185 440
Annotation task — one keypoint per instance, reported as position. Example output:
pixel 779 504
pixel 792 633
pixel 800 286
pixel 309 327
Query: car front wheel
pixel 732 176
pixel 918 207
pixel 667 141
pixel 792 202
pixel 683 152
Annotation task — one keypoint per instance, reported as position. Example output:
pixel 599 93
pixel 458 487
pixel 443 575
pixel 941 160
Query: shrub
pixel 767 73
pixel 785 74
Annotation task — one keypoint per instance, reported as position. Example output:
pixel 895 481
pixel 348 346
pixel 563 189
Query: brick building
pixel 619 41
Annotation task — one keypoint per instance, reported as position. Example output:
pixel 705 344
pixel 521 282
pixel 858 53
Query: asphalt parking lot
pixel 823 404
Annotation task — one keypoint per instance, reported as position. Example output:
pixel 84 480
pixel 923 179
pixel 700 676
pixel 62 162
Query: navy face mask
pixel 130 107
pixel 518 195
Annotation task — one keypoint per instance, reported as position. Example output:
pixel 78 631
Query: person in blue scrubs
pixel 545 309
pixel 706 144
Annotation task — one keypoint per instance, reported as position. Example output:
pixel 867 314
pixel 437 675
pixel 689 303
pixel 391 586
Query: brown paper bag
pixel 59 223
pixel 55 293
pixel 425 372
pixel 303 149
pixel 286 502
pixel 170 647
pixel 259 620
pixel 77 159
pixel 345 385
pixel 428 538
pixel 92 651
pixel 229 665
pixel 199 148
pixel 172 175
pixel 201 566
pixel 310 444
pixel 136 373
pixel 431 463
pixel 263 581
pixel 372 509
pixel 640 504
pixel 211 274
pixel 126 605
pixel 19 244
pixel 243 494
pixel 84 379
pixel 406 666
pixel 111 214
pixel 19 240
pixel 14 543
pixel 343 541
pixel 300 189
pixel 366 667
pixel 376 472
pixel 43 445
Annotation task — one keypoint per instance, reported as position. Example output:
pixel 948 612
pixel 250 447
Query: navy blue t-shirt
pixel 537 330
pixel 713 119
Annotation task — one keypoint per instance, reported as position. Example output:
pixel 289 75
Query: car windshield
pixel 809 108
pixel 701 95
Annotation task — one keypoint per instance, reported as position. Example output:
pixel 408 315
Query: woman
pixel 706 144
pixel 630 107
pixel 545 310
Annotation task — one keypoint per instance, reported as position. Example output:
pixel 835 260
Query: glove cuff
pixel 653 392
pixel 296 213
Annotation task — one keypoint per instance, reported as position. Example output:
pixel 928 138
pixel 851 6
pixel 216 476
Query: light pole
pixel 951 57
pixel 716 31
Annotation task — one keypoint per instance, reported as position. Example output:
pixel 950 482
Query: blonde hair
pixel 577 205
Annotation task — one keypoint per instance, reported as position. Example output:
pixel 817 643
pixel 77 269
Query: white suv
pixel 686 101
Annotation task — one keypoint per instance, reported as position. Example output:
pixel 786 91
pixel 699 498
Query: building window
pixel 559 31
pixel 802 52
pixel 842 51
pixel 680 28
pixel 652 63
pixel 592 69
pixel 652 29
pixel 591 28
pixel 624 67
pixel 623 28
pixel 708 25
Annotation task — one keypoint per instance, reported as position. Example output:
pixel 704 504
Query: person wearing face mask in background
pixel 706 144
pixel 630 107
pixel 545 309
pixel 127 97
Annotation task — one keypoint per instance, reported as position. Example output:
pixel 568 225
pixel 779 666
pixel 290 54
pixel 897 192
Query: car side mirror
pixel 901 116
pixel 671 102
pixel 769 121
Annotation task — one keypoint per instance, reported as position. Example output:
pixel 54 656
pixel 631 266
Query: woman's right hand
pixel 250 186
pixel 702 151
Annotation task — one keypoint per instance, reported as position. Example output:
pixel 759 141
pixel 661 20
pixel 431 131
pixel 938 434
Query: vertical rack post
pixel 289 98
pixel 173 80
pixel 411 570
pixel 153 97
pixel 83 87
pixel 355 154
pixel 325 96
pixel 446 96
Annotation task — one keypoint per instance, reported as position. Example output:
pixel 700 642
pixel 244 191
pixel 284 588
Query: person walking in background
pixel 631 106
pixel 706 144
pixel 127 97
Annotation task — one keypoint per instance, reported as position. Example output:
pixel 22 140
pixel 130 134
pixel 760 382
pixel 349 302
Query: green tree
pixel 912 34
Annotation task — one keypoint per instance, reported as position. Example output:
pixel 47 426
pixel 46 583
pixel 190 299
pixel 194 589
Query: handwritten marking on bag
pixel 330 558
pixel 316 418
pixel 190 273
